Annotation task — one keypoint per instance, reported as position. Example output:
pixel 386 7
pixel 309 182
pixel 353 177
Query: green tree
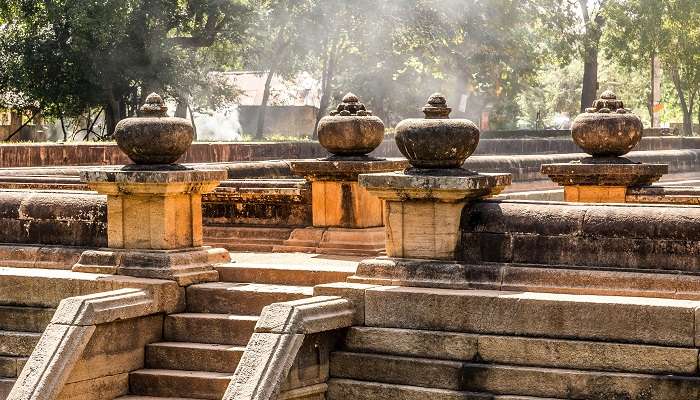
pixel 69 56
pixel 574 29
pixel 420 47
pixel 279 43
pixel 642 29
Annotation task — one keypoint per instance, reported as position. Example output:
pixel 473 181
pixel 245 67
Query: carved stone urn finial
pixel 436 141
pixel 154 106
pixel 351 130
pixel 437 107
pixel 154 138
pixel 607 129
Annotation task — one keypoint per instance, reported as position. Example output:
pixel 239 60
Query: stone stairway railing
pixel 92 344
pixel 288 354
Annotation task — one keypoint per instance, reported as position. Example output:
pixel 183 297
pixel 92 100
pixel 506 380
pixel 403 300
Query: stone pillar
pixel 347 219
pixel 424 203
pixel 607 131
pixel 154 207
pixel 423 210
pixel 338 201
pixel 157 210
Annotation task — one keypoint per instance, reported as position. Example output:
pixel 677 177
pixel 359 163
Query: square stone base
pixel 344 204
pixel 423 229
pixel 423 208
pixel 595 194
pixel 186 267
pixel 154 221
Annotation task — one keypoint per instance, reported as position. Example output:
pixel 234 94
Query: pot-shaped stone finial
pixel 437 142
pixel 607 129
pixel 154 138
pixel 350 130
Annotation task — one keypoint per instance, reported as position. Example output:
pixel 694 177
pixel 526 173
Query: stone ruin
pixel 421 280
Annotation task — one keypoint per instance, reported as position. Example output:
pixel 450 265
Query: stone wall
pixel 556 145
pixel 92 154
pixel 526 168
pixel 46 155
pixel 53 218
pixel 640 237
pixel 259 202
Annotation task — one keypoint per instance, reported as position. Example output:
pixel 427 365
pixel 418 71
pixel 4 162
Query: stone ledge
pixel 347 170
pixel 47 288
pixel 517 277
pixel 434 185
pixel 600 174
pixel 185 266
pixel 153 176
pixel 39 256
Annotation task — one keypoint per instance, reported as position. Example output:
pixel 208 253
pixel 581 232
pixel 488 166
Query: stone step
pixel 224 329
pixel 10 367
pixel 249 241
pixel 5 387
pixel 237 298
pixel 233 233
pixel 25 319
pixel 347 389
pixel 511 380
pixel 663 322
pixel 241 247
pixel 340 251
pixel 18 344
pixel 175 383
pixel 513 350
pixel 131 397
pixel 193 356
pixel 244 242
pixel 284 274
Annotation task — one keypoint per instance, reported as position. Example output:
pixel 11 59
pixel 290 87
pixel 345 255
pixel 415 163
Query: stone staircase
pixel 20 330
pixel 449 345
pixel 203 346
pixel 257 239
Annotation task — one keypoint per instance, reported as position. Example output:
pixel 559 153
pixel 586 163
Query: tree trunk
pixel 594 31
pixel 260 131
pixel 590 78
pixel 329 65
pixel 182 106
pixel 194 125
pixel 687 113
pixel 277 59
pixel 111 117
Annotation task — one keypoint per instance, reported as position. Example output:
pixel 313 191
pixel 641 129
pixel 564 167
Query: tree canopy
pixel 520 61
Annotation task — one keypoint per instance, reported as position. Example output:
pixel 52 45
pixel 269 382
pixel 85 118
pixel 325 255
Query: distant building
pixel 292 108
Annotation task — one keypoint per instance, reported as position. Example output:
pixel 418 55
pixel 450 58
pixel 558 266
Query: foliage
pixel 666 29
pixel 72 55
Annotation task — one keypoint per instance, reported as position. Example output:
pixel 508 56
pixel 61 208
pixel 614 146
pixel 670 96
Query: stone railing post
pixel 607 131
pixel 345 215
pixel 424 203
pixel 154 207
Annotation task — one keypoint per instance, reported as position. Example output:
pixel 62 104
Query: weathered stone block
pixel 415 343
pixel 634 320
